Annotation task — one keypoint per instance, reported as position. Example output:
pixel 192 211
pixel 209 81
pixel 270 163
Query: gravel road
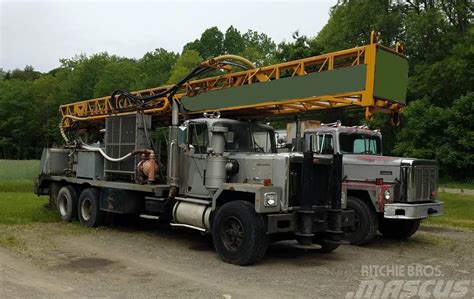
pixel 65 260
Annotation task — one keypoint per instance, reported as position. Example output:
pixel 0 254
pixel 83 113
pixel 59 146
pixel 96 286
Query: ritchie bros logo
pixel 404 281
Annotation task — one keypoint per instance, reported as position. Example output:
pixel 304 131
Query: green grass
pixel 18 175
pixel 456 185
pixel 458 211
pixel 24 208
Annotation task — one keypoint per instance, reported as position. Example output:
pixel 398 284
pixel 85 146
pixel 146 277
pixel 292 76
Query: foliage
pixel 301 47
pixel 211 43
pixel 155 68
pixel 351 22
pixel 185 63
pixel 234 42
pixel 443 134
pixel 121 74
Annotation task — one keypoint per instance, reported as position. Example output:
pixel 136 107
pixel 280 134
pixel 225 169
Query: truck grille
pixel 422 181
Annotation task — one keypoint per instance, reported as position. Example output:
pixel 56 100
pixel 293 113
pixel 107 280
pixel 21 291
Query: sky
pixel 39 33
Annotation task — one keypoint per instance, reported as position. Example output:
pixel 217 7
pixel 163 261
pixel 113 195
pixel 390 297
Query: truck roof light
pixel 379 181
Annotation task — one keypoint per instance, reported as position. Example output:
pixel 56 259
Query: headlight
pixel 387 194
pixel 343 200
pixel 270 199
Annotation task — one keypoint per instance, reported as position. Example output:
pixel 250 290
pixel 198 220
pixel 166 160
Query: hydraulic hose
pixel 98 149
pixel 61 128
pixel 247 63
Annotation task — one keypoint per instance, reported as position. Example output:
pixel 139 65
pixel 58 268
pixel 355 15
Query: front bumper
pixel 413 211
pixel 284 223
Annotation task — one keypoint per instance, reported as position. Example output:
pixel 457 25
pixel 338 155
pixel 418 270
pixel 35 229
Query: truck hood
pixel 370 167
pixel 371 160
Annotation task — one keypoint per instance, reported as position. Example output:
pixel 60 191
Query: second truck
pixel 387 194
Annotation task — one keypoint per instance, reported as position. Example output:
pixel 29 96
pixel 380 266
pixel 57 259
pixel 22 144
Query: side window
pixel 326 144
pixel 198 137
pixel 359 146
pixel 262 141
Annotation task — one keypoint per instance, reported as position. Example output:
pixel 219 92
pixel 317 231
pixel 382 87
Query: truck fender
pixel 367 192
pixel 253 193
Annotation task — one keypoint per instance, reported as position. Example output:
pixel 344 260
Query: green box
pixel 391 76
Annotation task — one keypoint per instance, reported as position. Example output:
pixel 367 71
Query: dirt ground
pixel 65 260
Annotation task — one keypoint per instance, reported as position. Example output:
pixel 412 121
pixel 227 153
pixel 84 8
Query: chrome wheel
pixel 62 205
pixel 86 209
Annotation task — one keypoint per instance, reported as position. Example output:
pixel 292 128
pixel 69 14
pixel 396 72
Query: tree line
pixel 438 35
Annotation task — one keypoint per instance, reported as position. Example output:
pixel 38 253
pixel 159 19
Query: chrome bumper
pixel 413 211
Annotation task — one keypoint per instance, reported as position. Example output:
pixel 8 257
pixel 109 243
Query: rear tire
pixel 239 233
pixel 66 203
pixel 365 222
pixel 398 228
pixel 89 212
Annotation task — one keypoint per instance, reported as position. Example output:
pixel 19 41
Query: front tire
pixel 399 228
pixel 239 233
pixel 66 203
pixel 365 222
pixel 89 211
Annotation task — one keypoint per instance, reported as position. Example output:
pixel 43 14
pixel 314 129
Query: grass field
pixel 18 204
pixel 456 185
pixel 458 211
pixel 18 175
pixel 23 208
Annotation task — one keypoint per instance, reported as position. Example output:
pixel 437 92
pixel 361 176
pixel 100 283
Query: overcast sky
pixel 39 33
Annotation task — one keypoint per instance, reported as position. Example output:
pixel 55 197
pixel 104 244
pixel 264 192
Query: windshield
pixel 359 144
pixel 249 138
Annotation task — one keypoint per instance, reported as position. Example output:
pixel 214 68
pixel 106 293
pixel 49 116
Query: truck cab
pixel 388 194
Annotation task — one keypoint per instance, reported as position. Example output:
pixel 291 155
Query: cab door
pixel 194 169
pixel 323 143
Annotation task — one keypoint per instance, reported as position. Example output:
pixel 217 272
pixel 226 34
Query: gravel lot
pixel 66 260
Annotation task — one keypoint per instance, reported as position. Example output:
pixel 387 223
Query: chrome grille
pixel 422 181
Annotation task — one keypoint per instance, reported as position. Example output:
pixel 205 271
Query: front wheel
pixel 89 211
pixel 239 233
pixel 398 228
pixel 365 222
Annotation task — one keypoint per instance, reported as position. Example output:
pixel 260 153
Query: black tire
pixel 398 228
pixel 239 233
pixel 89 212
pixel 365 222
pixel 66 203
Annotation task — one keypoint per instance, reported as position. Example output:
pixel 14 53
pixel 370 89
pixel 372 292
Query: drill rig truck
pixel 217 170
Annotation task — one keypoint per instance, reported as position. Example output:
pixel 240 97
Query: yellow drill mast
pixel 372 77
